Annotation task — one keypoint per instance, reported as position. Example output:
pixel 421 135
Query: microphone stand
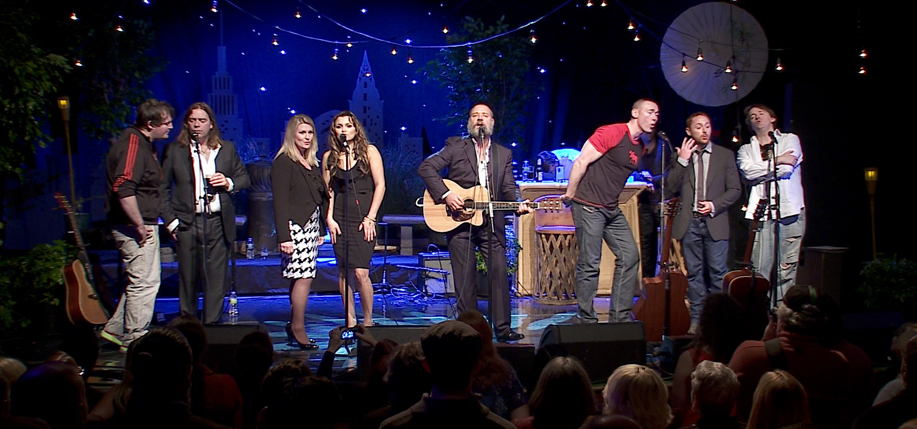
pixel 775 269
pixel 493 234
pixel 205 211
pixel 347 289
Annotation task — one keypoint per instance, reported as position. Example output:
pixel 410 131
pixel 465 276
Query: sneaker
pixel 112 338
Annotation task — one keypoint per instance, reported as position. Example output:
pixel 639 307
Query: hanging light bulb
pixel 394 50
pixel 728 67
pixel 470 56
pixel 779 66
pixel 78 63
pixel 637 35
pixel 119 29
pixel 349 45
pixel 863 53
pixel 588 3
pixel 532 37
pixel 334 56
pixel 735 85
pixel 367 74
pixel 297 14
pixel 213 7
pixel 410 58
pixel 684 67
pixel 275 42
pixel 445 29
pixel 630 25
pixel 73 17
pixel 700 54
pixel 862 70
pixel 604 3
pixel 735 138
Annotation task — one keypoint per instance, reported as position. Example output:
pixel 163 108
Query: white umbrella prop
pixel 726 35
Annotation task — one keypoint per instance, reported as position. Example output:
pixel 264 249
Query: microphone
pixel 772 136
pixel 481 133
pixel 343 140
pixel 195 138
pixel 662 136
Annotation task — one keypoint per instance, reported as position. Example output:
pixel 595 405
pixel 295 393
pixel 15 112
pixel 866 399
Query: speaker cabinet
pixel 601 347
pixel 223 341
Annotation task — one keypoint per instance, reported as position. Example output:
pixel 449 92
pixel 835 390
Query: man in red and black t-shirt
pixel 598 175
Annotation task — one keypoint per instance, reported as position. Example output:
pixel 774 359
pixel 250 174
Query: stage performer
pixel 706 178
pixel 200 171
pixel 133 176
pixel 597 178
pixel 300 204
pixel 469 162
pixel 362 196
pixel 754 160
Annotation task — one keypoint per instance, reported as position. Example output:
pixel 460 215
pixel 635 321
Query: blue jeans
pixel 792 228
pixel 701 251
pixel 593 224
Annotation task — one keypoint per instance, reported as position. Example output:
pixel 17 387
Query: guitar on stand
pixel 661 305
pixel 440 218
pixel 83 301
pixel 746 285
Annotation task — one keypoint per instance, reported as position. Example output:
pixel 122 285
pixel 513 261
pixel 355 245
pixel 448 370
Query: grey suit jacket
pixel 723 189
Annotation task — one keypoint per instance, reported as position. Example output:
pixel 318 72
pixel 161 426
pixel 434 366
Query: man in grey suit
pixel 199 172
pixel 707 179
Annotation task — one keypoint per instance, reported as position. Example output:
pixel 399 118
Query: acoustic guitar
pixel 441 218
pixel 661 305
pixel 748 287
pixel 83 302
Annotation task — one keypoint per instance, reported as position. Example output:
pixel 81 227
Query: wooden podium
pixel 525 234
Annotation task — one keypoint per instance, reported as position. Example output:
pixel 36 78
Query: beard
pixel 473 129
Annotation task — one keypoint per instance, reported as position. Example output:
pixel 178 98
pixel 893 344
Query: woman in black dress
pixel 353 235
pixel 300 203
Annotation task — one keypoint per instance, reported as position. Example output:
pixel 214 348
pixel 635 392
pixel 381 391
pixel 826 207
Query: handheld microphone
pixel 343 140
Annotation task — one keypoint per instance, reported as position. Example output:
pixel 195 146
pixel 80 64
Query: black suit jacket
pixel 723 189
pixel 297 192
pixel 178 185
pixel 459 157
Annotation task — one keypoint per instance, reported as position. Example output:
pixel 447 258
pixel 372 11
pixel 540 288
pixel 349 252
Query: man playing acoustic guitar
pixel 469 163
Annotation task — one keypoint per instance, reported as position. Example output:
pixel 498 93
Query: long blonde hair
pixel 360 145
pixel 638 392
pixel 780 400
pixel 289 148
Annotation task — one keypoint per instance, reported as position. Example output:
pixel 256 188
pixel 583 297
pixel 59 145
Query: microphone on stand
pixel 343 138
pixel 772 136
pixel 481 133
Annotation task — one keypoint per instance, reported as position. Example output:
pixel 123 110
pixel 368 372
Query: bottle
pixel 233 306
pixel 250 249
pixel 264 252
pixel 539 170
pixel 526 171
pixel 559 174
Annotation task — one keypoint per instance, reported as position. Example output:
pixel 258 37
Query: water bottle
pixel 233 306
pixel 539 171
pixel 526 171
pixel 559 174
pixel 250 249
pixel 264 252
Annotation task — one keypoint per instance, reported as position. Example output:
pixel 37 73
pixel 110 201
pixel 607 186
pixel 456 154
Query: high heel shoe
pixel 311 345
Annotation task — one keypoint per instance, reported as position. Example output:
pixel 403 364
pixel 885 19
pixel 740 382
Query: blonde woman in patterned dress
pixel 300 204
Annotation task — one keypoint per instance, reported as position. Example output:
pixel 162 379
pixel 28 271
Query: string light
pixel 349 45
pixel 735 85
pixel 735 137
pixel 119 29
pixel 445 30
pixel 470 56
pixel 779 66
pixel 410 57
pixel 863 53
pixel 630 25
pixel 728 67
pixel 700 54
pixel 213 7
pixel 73 17
pixel 588 3
pixel 297 14
pixel 334 56
pixel 862 71
pixel 78 63
pixel 636 34
pixel 684 67
pixel 394 50
pixel 604 3
pixel 532 37
pixel 367 74
pixel 275 42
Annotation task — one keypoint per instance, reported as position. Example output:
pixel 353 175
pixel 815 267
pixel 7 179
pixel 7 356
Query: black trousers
pixel 191 265
pixel 462 244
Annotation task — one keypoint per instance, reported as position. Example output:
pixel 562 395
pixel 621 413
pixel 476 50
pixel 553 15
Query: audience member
pixel 11 368
pixel 302 401
pixel 82 344
pixel 51 391
pixel 213 396
pixel 254 357
pixel 722 328
pixel 827 375
pixel 714 388
pixel 161 365
pixel 895 386
pixel 494 378
pixel 562 398
pixel 780 400
pixel 901 408
pixel 14 422
pixel 451 350
pixel 637 392
pixel 610 422
pixel 407 382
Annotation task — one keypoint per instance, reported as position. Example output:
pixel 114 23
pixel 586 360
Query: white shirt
pixel 209 167
pixel 482 163
pixel 752 166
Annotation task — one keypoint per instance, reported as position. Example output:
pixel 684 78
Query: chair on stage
pixel 555 256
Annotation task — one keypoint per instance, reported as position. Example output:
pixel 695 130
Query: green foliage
pixel 496 76
pixel 402 184
pixel 29 77
pixel 512 250
pixel 889 284
pixel 30 279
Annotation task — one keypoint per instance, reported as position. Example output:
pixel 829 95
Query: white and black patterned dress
pixel 301 264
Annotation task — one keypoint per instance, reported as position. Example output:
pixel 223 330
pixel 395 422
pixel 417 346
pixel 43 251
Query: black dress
pixel 359 196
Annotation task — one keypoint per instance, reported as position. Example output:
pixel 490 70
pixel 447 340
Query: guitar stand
pixel 384 287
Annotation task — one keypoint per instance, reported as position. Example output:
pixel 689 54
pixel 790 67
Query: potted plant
pixel 890 284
